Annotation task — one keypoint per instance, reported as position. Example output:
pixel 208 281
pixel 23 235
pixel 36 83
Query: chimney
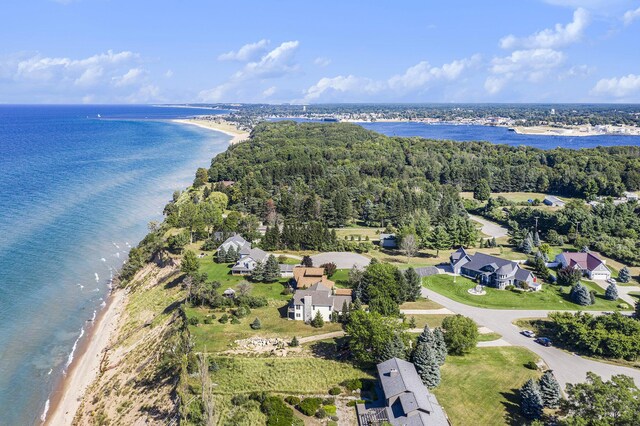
pixel 393 372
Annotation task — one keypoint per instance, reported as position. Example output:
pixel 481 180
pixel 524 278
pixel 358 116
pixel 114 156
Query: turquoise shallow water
pixel 76 192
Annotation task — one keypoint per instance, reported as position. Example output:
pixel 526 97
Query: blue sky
pixel 140 51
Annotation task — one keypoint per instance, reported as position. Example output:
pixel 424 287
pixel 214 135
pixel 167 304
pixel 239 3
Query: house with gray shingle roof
pixel 492 271
pixel 249 258
pixel 408 402
pixel 306 303
pixel 236 241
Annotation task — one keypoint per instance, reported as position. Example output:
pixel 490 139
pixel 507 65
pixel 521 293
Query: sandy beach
pixel 578 130
pixel 84 369
pixel 220 126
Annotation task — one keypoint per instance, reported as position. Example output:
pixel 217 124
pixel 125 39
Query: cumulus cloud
pixel 560 35
pixel 416 77
pixel 269 91
pixel 619 87
pixel 530 65
pixel 322 61
pixel 105 77
pixel 248 52
pixel 631 15
pixel 274 64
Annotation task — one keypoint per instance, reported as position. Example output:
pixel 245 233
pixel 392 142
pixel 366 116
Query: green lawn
pixel 480 388
pixel 422 320
pixel 422 303
pixel 488 337
pixel 297 376
pixel 341 278
pixel 220 272
pixel 551 297
pixel 219 337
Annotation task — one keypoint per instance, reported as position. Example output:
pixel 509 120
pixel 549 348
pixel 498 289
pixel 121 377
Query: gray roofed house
pixel 491 270
pixel 552 200
pixel 317 298
pixel 408 402
pixel 388 241
pixel 236 241
pixel 249 258
pixel 286 271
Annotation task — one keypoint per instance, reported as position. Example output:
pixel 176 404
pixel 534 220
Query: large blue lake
pixel 499 135
pixel 76 192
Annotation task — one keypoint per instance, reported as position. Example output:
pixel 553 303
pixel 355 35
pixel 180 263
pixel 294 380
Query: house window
pixel 313 307
pixel 298 315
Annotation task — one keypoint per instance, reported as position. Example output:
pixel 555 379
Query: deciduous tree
pixel 461 334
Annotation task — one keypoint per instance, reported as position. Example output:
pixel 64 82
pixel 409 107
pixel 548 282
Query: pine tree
pixel 540 266
pixel 271 269
pixel 426 337
pixel 427 365
pixel 439 346
pixel 612 292
pixel 222 255
pixel 402 286
pixel 531 400
pixel 294 342
pixel 536 239
pixel 232 255
pixel 580 295
pixel 356 305
pixel 549 390
pixel 394 348
pixel 527 245
pixel 638 310
pixel 493 243
pixel 258 272
pixel 414 286
pixel 271 240
pixel 345 312
pixel 256 324
pixel 317 321
pixel 624 276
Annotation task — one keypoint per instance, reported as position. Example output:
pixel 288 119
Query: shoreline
pixel 67 396
pixel 227 128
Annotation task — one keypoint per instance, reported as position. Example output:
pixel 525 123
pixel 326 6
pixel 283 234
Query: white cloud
pixel 422 73
pixel 269 92
pixel 560 35
pixel 248 52
pixel 631 15
pixel 618 87
pixel 273 64
pixel 416 77
pixel 104 77
pixel 168 74
pixel 530 65
pixel 133 76
pixel 322 61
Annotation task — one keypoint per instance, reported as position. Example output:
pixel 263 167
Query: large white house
pixel 306 303
pixel 249 258
pixel 590 264
pixel 235 241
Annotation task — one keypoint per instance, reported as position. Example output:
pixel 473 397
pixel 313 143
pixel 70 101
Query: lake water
pixel 76 192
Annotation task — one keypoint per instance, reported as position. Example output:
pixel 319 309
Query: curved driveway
pixel 489 228
pixel 568 368
pixel 342 259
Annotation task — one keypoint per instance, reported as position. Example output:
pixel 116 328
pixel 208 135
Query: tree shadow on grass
pixel 284 311
pixel 335 349
pixel 174 282
pixel 512 406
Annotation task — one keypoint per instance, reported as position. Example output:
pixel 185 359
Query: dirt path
pixel 321 337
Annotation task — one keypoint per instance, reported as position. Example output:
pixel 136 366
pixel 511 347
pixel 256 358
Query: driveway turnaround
pixel 343 260
pixel 567 367
pixel 491 229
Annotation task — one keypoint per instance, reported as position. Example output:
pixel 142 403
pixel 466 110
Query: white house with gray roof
pixel 407 401
pixel 249 258
pixel 491 270
pixel 236 241
pixel 306 303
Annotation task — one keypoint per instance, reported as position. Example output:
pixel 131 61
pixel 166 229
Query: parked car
pixel 612 281
pixel 528 333
pixel 544 341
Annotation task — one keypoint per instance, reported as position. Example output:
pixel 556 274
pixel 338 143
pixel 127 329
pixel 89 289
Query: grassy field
pixel 341 278
pixel 550 297
pixel 296 376
pixel 481 388
pixel 359 234
pixel 488 337
pixel 219 337
pixel 433 320
pixel 422 303
pixel 516 197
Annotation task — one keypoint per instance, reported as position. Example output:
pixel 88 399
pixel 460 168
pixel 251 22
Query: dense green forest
pixel 338 171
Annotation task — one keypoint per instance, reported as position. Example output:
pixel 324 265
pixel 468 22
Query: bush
pixel 278 414
pixel 321 413
pixel 329 401
pixel 352 384
pixel 238 400
pixel 330 409
pixel 207 320
pixel 193 321
pixel 235 320
pixel 294 342
pixel 293 400
pixel 335 391
pixel 531 365
pixel 256 324
pixel 309 406
pixel 223 319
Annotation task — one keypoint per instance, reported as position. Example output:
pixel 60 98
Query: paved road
pixel 491 229
pixel 568 368
pixel 343 260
